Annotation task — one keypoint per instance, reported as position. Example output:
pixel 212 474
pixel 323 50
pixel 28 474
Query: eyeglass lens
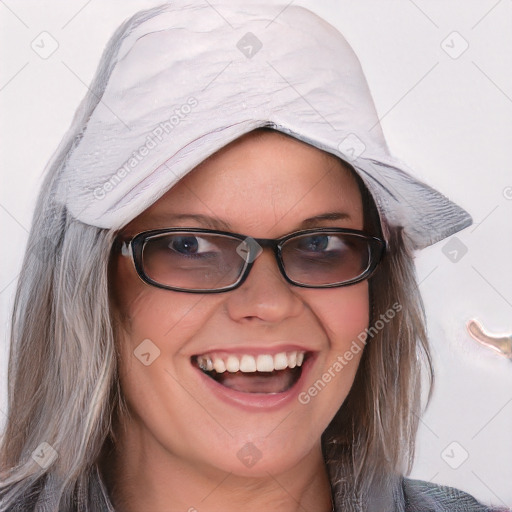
pixel 211 261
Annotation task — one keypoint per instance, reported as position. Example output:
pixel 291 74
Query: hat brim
pixel 162 105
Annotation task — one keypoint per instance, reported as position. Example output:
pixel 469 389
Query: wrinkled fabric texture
pixel 422 496
pixel 182 81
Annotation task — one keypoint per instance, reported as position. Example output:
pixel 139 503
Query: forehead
pixel 265 180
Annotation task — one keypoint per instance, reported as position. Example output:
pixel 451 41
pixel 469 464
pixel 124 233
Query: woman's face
pixel 264 185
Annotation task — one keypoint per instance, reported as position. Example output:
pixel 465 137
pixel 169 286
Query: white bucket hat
pixel 179 82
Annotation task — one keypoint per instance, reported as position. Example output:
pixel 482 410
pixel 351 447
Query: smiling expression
pixel 264 185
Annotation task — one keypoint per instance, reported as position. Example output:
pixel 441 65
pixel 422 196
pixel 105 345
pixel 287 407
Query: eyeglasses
pixel 209 261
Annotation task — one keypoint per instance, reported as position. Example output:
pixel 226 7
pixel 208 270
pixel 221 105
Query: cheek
pixel 148 312
pixel 156 325
pixel 343 313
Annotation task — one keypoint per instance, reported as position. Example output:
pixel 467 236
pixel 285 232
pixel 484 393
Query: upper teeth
pixel 249 364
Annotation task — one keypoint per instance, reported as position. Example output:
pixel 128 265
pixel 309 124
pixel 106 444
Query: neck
pixel 153 479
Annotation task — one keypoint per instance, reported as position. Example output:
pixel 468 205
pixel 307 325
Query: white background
pixel 449 118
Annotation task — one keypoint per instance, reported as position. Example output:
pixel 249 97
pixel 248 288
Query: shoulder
pixel 423 496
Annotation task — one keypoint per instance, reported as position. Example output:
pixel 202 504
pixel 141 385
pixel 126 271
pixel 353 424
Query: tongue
pixel 259 382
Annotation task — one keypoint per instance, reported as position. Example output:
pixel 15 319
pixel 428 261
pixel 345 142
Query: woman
pixel 218 305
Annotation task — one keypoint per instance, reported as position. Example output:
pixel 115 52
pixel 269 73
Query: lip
pixel 258 401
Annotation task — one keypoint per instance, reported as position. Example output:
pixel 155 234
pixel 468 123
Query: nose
pixel 265 294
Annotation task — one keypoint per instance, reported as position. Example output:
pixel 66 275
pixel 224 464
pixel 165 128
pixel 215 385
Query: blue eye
pixel 191 245
pixel 321 243
pixel 184 244
pixel 315 243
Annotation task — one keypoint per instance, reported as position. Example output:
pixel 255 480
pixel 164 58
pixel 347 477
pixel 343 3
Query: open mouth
pixel 264 373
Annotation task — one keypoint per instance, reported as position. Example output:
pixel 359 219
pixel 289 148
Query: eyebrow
pixel 311 221
pixel 216 223
pixel 168 219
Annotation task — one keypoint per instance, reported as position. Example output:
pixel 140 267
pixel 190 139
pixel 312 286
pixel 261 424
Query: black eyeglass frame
pixel 134 246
